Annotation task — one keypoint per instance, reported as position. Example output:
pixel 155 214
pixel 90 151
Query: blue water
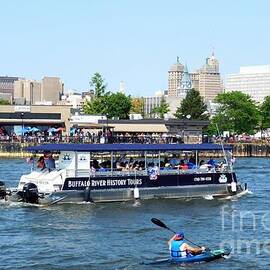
pixel 121 235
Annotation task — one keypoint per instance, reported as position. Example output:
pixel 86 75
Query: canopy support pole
pixel 196 153
pixel 112 163
pixel 145 160
pixel 159 159
pixel 76 163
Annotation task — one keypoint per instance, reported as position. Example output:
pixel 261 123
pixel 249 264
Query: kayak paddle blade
pixel 159 223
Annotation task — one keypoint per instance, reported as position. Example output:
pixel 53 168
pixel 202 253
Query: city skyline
pixel 127 41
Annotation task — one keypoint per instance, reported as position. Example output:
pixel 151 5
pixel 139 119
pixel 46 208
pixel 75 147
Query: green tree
pixel 99 103
pixel 137 105
pixel 162 109
pixel 4 102
pixel 192 105
pixel 265 113
pixel 238 113
pixel 119 105
pixel 99 84
pixel 105 102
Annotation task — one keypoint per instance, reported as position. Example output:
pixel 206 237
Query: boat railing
pixel 108 173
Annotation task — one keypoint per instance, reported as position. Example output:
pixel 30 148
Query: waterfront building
pixel 7 87
pixel 190 131
pixel 17 117
pixel 251 80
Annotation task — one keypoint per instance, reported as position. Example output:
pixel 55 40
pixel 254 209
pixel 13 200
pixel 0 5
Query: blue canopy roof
pixel 126 147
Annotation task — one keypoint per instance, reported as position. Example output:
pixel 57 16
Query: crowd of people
pixel 172 163
pixel 81 136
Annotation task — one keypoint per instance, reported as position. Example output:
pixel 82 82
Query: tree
pixel 105 102
pixel 119 105
pixel 238 113
pixel 137 105
pixel 192 105
pixel 99 103
pixel 162 109
pixel 4 102
pixel 265 113
pixel 99 84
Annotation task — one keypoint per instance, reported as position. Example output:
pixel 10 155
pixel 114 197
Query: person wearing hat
pixel 178 248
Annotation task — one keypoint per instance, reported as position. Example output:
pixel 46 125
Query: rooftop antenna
pixel 213 51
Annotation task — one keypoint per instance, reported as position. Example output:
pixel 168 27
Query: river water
pixel 121 235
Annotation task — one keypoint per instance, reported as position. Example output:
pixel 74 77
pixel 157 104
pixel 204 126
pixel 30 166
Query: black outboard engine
pixel 3 191
pixel 30 193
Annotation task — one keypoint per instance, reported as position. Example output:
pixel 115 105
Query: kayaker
pixel 179 248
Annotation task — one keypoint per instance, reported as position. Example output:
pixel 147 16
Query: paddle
pixel 163 225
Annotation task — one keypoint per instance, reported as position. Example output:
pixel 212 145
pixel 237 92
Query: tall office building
pixel 251 80
pixel 31 92
pixel 174 78
pixel 209 79
pixel 27 92
pixel 206 80
pixel 51 89
pixel 7 87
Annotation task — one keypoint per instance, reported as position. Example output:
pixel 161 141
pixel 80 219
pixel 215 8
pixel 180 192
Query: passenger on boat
pixel 41 163
pixel 135 166
pixel 183 165
pixel 167 166
pixel 174 162
pixel 192 163
pixel 204 166
pixel 179 248
pixel 212 162
pixel 96 164
pixel 153 171
pixel 50 162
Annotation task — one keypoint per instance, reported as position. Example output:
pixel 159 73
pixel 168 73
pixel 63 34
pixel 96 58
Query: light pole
pixel 185 125
pixel 107 125
pixel 22 115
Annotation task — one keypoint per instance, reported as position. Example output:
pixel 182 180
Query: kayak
pixel 206 256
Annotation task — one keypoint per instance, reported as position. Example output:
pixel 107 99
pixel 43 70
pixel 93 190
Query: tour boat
pixel 123 172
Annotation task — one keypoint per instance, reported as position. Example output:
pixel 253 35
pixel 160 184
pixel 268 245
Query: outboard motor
pixel 3 191
pixel 30 193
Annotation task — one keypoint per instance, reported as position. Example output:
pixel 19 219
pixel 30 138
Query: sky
pixel 132 41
